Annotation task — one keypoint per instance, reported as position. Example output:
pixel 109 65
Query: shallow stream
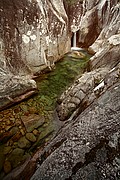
pixel 20 133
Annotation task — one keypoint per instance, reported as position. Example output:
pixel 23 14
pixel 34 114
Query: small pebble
pixel 31 137
pixel 35 132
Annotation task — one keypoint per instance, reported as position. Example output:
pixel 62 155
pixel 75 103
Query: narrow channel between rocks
pixel 29 126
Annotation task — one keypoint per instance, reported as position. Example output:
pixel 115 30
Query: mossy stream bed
pixel 19 138
pixel 52 84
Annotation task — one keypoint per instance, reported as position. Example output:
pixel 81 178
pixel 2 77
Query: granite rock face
pixel 95 16
pixel 33 35
pixel 107 45
pixel 87 148
pixel 85 90
pixel 99 30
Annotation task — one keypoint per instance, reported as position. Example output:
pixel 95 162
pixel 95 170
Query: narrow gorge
pixel 59 89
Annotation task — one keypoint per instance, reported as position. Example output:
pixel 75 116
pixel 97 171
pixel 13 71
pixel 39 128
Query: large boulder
pixel 106 47
pixel 14 88
pixel 85 90
pixel 76 94
pixel 94 18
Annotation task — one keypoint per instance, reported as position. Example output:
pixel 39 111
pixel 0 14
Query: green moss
pixel 52 84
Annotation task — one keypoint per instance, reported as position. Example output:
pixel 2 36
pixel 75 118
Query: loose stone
pixel 7 149
pixel 31 137
pixel 23 143
pixel 14 130
pixel 32 121
pixel 22 132
pixel 7 128
pixel 35 132
pixel 16 157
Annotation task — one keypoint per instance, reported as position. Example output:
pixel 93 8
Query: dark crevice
pixel 77 167
pixel 51 150
pixel 89 158
pixel 69 178
pixel 111 153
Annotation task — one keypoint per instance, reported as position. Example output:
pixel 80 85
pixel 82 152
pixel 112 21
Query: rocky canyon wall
pixel 36 33
pixel 88 146
pixel 99 29
pixel 33 35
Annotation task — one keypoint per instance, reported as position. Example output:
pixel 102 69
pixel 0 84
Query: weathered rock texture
pixel 107 44
pixel 87 148
pixel 35 34
pixel 96 15
pixel 85 90
pixel 32 33
pixel 99 26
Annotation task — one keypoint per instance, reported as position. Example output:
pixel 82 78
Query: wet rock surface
pixel 89 147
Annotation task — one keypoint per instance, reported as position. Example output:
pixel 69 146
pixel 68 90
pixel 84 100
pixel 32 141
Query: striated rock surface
pixel 15 88
pixel 107 45
pixel 96 16
pixel 36 33
pixel 85 90
pixel 99 28
pixel 75 95
pixel 33 35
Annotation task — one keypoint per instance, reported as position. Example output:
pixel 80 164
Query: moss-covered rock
pixel 23 142
pixel 16 157
pixel 31 137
